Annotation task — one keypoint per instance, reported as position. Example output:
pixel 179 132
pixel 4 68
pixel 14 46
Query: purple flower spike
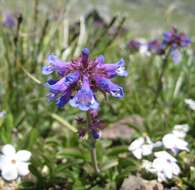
pixel 85 74
pixel 107 85
pixel 84 99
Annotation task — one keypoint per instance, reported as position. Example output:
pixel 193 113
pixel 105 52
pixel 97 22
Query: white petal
pixel 3 161
pixel 23 155
pixel 8 150
pixel 169 140
pixel 161 176
pixel 168 171
pixel 136 144
pixel 182 127
pixel 175 169
pixel 147 149
pixel 179 134
pixel 190 103
pixel 164 156
pixel 22 168
pixel 9 172
pixel 137 153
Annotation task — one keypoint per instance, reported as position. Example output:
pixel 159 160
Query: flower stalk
pixel 160 83
pixel 92 146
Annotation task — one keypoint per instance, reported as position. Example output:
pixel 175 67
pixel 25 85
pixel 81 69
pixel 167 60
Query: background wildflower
pixel 12 163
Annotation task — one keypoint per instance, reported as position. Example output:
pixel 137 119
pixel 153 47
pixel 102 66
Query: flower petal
pixel 23 155
pixel 9 172
pixel 22 168
pixel 8 150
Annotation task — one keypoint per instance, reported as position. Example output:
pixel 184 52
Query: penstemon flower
pixel 12 163
pixel 80 79
pixel 175 41
pixel 78 82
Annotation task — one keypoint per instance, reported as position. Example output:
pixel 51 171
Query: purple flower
pixel 176 39
pixel 112 70
pixel 57 65
pixel 134 45
pixel 155 46
pixel 9 20
pixel 84 99
pixel 82 77
pixel 107 85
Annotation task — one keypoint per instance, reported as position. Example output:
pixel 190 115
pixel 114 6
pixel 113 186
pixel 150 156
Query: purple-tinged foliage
pixel 82 77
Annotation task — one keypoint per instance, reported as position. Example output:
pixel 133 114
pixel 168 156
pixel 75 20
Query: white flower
pixel 180 130
pixel 12 163
pixel 165 166
pixel 174 143
pixel 2 114
pixel 143 50
pixel 142 146
pixel 190 103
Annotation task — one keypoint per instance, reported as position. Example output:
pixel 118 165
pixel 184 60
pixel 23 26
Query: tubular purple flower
pixel 108 86
pixel 64 83
pixel 112 70
pixel 57 65
pixel 84 99
pixel 62 100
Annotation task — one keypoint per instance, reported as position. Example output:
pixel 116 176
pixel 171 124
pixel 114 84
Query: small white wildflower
pixel 2 114
pixel 190 103
pixel 12 163
pixel 174 143
pixel 143 50
pixel 165 166
pixel 140 147
pixel 180 130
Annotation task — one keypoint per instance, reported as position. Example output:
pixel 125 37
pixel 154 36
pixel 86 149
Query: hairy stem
pixel 93 146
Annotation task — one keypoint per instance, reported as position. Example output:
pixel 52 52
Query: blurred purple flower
pixel 82 77
pixel 134 45
pixel 175 41
pixel 9 20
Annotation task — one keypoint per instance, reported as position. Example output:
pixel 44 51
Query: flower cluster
pixel 164 165
pixel 13 164
pixel 79 80
pixel 171 42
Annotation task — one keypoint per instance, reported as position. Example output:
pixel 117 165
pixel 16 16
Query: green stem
pixel 160 84
pixel 93 146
